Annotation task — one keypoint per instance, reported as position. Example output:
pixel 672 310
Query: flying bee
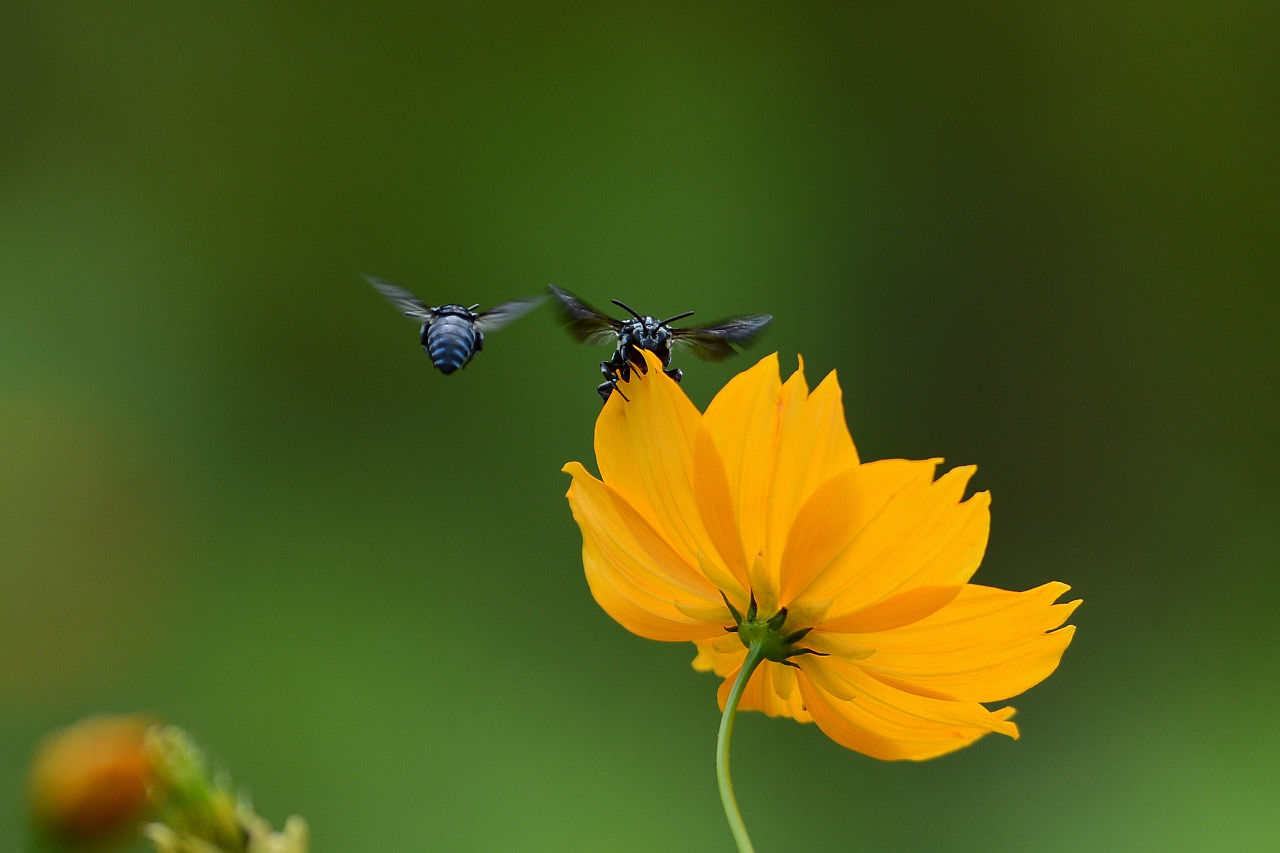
pixel 452 334
pixel 712 342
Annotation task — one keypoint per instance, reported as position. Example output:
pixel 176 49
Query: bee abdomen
pixel 451 338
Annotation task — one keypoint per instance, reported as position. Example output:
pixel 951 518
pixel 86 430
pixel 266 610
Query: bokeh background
pixel 1037 237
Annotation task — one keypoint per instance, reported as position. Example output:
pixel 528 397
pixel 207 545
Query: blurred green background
pixel 233 492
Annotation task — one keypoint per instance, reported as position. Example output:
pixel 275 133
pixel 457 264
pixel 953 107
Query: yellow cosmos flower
pixel 758 520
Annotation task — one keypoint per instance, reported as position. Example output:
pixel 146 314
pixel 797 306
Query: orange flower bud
pixel 88 782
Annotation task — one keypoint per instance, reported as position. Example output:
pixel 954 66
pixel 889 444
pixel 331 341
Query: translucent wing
pixel 411 305
pixel 717 341
pixel 500 315
pixel 589 325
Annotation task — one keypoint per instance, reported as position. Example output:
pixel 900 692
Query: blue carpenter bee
pixel 712 342
pixel 452 334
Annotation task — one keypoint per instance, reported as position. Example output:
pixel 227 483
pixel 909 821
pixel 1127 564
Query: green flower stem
pixel 755 654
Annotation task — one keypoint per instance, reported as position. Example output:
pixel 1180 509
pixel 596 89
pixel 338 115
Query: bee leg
pixel 611 381
pixel 604 389
pixel 675 373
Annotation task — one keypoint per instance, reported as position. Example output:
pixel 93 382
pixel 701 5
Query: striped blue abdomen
pixel 451 338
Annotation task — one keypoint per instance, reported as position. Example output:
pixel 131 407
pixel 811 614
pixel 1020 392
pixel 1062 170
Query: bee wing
pixel 500 315
pixel 586 323
pixel 411 305
pixel 716 341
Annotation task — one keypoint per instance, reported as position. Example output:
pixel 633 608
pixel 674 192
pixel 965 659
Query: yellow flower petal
pixel 986 646
pixel 597 507
pixel 826 525
pixel 743 421
pixel 705 659
pixel 634 573
pixel 776 443
pixel 901 530
pixel 837 513
pixel 886 723
pixel 722 655
pixel 813 446
pixel 717 509
pixel 771 689
pixel 712 613
pixel 644 448
pixel 784 681
pixel 722 580
pixel 631 605
pixel 904 608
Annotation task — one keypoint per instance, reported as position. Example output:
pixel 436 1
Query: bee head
pixel 647 332
pixel 651 333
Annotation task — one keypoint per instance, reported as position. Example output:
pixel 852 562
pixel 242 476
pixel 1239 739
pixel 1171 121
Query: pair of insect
pixel 452 334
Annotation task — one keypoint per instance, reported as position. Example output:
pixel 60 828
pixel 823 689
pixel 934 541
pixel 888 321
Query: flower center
pixel 767 634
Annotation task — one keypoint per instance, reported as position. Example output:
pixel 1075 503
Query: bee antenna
pixel 677 317
pixel 628 309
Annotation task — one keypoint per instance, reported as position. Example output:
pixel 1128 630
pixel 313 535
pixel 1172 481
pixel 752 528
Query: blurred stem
pixel 755 654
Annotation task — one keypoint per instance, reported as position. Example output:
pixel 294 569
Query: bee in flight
pixel 712 342
pixel 452 334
